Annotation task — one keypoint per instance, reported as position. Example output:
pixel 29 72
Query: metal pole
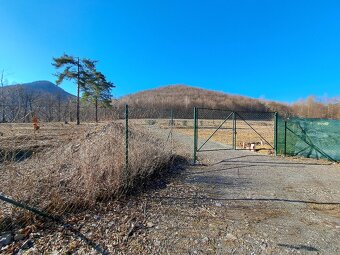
pixel 234 131
pixel 78 92
pixel 27 207
pixel 195 134
pixel 285 140
pixel 171 130
pixel 126 138
pixel 275 132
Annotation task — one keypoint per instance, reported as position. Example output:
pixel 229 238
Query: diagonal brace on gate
pixel 215 131
pixel 255 131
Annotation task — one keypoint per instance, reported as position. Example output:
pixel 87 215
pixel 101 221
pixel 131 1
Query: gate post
pixel 234 131
pixel 195 134
pixel 171 129
pixel 285 139
pixel 275 132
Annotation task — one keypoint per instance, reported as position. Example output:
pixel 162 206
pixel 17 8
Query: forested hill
pixel 42 89
pixel 182 98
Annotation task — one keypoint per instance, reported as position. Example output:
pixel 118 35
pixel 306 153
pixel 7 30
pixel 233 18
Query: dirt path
pixel 247 203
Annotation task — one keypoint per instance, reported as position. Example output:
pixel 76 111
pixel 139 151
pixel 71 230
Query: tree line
pixel 181 99
pixel 329 108
pixel 20 105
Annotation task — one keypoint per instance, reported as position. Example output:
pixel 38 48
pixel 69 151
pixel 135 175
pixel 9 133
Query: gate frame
pixel 234 115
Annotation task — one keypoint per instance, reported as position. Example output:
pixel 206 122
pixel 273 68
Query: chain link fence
pixel 51 174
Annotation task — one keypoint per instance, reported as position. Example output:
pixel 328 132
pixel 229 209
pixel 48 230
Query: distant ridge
pixel 41 88
pixel 183 98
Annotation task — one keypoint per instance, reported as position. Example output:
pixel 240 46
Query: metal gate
pixel 219 129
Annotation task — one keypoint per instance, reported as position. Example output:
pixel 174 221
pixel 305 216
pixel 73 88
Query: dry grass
pixel 19 140
pixel 83 167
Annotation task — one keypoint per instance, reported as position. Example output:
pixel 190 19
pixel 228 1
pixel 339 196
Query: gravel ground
pixel 265 204
pixel 235 202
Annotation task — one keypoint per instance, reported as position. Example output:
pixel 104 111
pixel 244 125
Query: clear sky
pixel 279 50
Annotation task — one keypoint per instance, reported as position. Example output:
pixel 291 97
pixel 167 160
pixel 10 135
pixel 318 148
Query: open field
pixel 20 140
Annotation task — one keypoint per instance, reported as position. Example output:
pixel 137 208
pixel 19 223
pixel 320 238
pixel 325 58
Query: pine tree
pixel 98 90
pixel 76 70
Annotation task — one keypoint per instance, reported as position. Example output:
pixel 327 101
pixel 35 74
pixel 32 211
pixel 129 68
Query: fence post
pixel 126 138
pixel 172 118
pixel 275 132
pixel 234 131
pixel 171 130
pixel 195 134
pixel 285 140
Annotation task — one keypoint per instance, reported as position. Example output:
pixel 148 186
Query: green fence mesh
pixel 312 138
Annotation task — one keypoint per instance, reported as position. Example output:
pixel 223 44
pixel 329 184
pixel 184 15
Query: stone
pixel 230 237
pixel 149 224
pixel 5 240
pixel 264 246
pixel 205 240
pixel 19 236
pixel 218 204
pixel 27 244
pixel 35 235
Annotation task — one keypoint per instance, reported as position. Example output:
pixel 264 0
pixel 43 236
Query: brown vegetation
pixel 311 108
pixel 181 99
pixel 90 167
pixel 20 105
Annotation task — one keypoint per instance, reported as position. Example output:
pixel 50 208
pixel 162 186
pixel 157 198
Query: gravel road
pixel 257 204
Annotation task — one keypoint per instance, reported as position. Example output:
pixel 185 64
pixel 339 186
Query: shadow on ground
pixel 298 247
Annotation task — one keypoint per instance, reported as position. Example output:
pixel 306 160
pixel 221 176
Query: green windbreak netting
pixel 313 138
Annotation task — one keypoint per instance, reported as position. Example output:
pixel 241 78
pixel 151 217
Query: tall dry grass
pixel 77 174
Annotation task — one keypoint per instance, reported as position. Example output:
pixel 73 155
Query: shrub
pixel 81 172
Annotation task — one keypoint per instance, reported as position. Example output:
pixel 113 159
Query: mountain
pixel 38 88
pixel 182 99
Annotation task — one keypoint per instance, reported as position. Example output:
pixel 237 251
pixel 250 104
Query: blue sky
pixel 278 50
